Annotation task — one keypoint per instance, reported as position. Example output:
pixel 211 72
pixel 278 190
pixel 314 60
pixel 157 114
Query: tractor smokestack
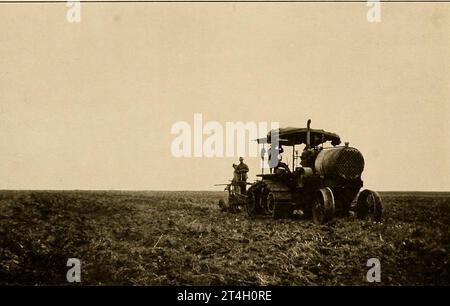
pixel 308 134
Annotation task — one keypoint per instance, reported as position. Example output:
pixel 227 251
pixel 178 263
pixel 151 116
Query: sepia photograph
pixel 253 144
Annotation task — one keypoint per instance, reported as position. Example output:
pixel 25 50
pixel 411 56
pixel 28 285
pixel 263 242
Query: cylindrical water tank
pixel 345 162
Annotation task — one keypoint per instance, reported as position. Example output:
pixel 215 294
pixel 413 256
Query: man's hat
pixel 241 158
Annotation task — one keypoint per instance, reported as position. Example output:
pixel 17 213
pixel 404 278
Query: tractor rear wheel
pixel 323 206
pixel 369 204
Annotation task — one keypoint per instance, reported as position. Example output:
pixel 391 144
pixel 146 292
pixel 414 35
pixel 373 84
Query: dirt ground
pixel 182 238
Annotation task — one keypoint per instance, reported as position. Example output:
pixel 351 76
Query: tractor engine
pixel 341 163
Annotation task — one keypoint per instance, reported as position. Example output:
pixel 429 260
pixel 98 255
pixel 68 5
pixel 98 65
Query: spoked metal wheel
pixel 369 204
pixel 323 206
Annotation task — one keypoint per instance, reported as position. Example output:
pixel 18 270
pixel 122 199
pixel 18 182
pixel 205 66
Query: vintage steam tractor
pixel 321 183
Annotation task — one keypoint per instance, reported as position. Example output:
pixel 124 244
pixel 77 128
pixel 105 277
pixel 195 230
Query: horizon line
pixel 188 190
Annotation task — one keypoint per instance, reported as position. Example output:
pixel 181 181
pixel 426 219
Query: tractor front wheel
pixel 323 206
pixel 369 204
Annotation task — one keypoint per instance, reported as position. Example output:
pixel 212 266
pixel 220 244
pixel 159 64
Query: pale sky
pixel 91 105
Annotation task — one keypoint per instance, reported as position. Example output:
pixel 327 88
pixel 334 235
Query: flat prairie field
pixel 182 238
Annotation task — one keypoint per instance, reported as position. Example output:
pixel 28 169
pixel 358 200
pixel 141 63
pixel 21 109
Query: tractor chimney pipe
pixel 308 134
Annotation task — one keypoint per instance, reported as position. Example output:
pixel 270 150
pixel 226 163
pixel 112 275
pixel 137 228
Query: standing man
pixel 274 152
pixel 240 174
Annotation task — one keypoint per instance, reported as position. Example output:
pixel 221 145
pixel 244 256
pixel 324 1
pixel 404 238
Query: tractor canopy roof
pixel 290 136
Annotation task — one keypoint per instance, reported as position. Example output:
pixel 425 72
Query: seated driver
pixel 282 167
